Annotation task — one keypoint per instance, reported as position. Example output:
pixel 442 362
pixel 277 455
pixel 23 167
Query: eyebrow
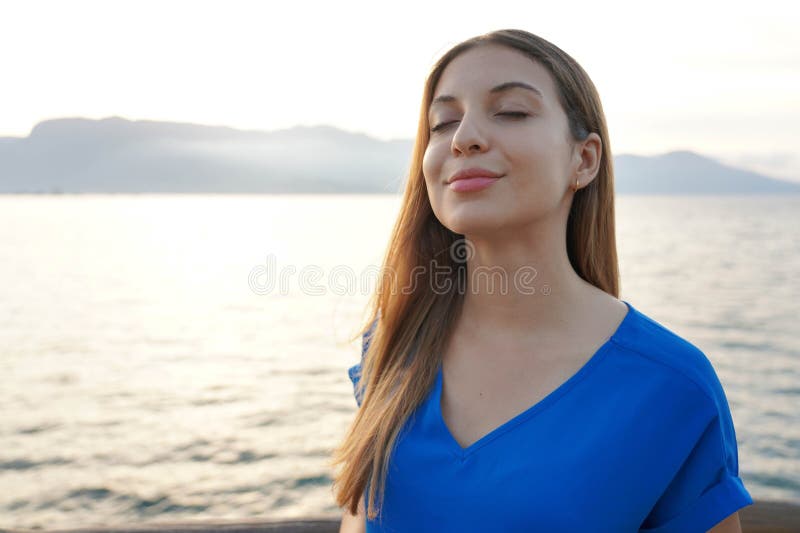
pixel 497 89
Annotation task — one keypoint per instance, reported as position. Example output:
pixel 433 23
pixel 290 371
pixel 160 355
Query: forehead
pixel 475 72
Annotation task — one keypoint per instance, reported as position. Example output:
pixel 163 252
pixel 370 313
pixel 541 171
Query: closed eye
pixel 515 114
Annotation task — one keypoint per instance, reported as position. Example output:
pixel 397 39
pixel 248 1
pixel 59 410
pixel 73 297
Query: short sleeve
pixel 354 372
pixel 706 488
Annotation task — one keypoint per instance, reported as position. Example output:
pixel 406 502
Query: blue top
pixel 639 439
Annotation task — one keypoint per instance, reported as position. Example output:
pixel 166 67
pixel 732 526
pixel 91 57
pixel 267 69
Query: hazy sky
pixel 718 78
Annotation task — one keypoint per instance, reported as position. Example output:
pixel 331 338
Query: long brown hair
pixel 410 316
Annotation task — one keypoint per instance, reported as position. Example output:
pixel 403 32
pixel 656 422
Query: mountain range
pixel 116 155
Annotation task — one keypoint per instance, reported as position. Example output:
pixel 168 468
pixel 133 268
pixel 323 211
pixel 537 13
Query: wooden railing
pixel 761 517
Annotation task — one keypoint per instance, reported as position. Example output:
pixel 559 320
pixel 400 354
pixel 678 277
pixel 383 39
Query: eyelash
pixel 517 114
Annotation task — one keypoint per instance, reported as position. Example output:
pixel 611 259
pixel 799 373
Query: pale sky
pixel 718 78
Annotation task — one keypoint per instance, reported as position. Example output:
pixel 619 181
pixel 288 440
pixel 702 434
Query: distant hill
pixel 684 172
pixel 115 155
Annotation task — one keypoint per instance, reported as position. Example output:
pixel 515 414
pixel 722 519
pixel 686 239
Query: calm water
pixel 146 377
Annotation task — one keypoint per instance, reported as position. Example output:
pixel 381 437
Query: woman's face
pixel 529 151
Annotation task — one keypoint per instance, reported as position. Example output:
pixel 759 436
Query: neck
pixel 522 287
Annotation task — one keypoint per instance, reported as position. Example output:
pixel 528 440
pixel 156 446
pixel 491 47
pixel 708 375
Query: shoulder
pixel 354 372
pixel 658 349
pixel 695 481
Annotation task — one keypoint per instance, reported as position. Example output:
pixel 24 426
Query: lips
pixel 474 172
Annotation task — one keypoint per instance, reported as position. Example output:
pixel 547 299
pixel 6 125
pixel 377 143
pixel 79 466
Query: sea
pixel 180 357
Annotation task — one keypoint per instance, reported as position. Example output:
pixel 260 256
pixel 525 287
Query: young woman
pixel 503 385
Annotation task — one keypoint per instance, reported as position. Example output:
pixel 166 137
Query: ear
pixel 586 160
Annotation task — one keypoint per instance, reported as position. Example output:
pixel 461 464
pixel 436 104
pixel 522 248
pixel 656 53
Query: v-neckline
pixel 516 420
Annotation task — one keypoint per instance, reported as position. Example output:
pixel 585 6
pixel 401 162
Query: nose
pixel 468 138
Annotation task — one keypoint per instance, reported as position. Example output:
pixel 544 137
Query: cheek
pixel 536 169
pixel 532 159
pixel 431 164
